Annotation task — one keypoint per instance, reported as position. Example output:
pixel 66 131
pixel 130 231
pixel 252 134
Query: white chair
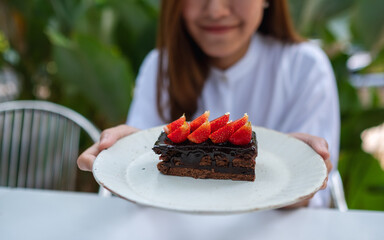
pixel 337 191
pixel 39 144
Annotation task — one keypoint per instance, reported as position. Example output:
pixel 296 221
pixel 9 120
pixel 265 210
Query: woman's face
pixel 223 28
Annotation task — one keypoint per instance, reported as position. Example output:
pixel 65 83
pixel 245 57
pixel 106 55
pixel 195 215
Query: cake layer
pixel 205 173
pixel 214 168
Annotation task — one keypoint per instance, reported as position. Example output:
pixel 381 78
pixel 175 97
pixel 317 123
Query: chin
pixel 215 52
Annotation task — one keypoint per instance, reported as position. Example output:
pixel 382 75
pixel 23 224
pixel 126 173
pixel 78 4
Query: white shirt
pixel 285 87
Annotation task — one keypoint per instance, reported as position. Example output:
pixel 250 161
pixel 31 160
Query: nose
pixel 217 9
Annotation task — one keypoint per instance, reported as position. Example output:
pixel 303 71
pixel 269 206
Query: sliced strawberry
pixel 240 122
pixel 219 122
pixel 201 134
pixel 180 135
pixel 242 136
pixel 200 120
pixel 222 134
pixel 174 125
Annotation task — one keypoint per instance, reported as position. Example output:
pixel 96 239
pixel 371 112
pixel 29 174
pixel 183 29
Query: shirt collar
pixel 242 67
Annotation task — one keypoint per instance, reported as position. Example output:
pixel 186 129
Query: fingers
pixel 107 138
pixel 318 144
pixel 328 164
pixel 324 186
pixel 111 135
pixel 86 159
pixel 303 203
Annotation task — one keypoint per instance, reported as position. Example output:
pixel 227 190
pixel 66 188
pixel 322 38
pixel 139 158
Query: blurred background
pixel 85 54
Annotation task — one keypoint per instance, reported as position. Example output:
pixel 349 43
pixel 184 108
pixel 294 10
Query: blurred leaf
pixel 312 15
pixel 133 14
pixel 98 21
pixel 296 8
pixel 328 37
pixel 368 23
pixel 377 65
pixel 57 38
pixel 27 35
pixel 354 123
pixel 349 100
pixel 136 47
pixel 363 180
pixel 137 28
pixel 99 73
pixel 69 12
pixel 340 28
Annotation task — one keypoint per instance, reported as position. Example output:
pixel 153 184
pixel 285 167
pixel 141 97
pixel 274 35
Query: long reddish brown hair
pixel 183 67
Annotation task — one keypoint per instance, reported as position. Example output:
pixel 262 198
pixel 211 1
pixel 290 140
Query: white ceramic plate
pixel 287 170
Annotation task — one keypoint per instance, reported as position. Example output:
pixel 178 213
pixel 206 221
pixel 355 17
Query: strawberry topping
pixel 201 134
pixel 219 122
pixel 240 122
pixel 218 130
pixel 174 125
pixel 222 134
pixel 242 136
pixel 199 121
pixel 180 134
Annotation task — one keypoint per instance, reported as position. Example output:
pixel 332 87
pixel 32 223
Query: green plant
pixel 84 54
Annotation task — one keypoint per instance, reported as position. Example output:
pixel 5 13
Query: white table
pixel 38 214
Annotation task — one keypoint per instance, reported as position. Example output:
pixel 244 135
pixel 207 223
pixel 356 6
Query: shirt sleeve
pixel 143 110
pixel 313 103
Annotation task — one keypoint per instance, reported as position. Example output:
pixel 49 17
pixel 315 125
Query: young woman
pixel 237 56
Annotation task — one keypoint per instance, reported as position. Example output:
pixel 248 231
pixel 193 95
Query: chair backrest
pixel 337 191
pixel 39 144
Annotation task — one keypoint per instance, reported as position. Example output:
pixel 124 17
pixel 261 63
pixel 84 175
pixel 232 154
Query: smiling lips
pixel 217 29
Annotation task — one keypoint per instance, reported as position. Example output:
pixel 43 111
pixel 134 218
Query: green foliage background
pixel 86 53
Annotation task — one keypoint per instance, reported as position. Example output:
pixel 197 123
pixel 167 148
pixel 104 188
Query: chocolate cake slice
pixel 206 159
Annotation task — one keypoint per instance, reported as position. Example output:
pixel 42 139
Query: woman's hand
pixel 320 146
pixel 108 138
